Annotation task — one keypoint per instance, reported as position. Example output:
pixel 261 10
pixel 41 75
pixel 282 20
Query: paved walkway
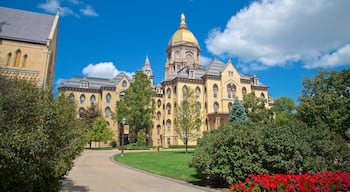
pixel 96 171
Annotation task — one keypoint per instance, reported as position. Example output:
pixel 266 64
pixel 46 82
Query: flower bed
pixel 322 181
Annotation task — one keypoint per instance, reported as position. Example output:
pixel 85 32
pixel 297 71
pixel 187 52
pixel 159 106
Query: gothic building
pixel 215 86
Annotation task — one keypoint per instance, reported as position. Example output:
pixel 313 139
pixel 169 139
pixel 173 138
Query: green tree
pixel 40 137
pixel 141 138
pixel 187 118
pixel 137 106
pixel 256 108
pixel 100 131
pixel 325 100
pixel 283 108
pixel 237 113
pixel 89 116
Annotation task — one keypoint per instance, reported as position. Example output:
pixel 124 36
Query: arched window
pixel 231 90
pixel 184 91
pixel 244 91
pixel 121 95
pixel 229 107
pixel 9 60
pixel 216 107
pixel 158 115
pixel 168 125
pixel 198 92
pixel 24 61
pixel 81 112
pixel 82 99
pixel 168 92
pixel 92 99
pixel 159 103
pixel 215 91
pixel 168 108
pixel 107 112
pixel 158 129
pixel 71 97
pixel 17 58
pixel 262 96
pixel 108 98
pixel 124 84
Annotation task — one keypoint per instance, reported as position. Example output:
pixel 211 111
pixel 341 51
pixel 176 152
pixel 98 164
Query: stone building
pixel 215 86
pixel 28 44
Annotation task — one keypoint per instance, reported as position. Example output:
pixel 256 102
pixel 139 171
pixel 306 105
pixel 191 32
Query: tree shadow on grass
pixel 69 185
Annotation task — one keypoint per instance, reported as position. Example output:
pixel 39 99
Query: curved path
pixel 96 171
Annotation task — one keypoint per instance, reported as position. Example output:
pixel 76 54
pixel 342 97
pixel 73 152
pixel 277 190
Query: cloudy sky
pixel 281 41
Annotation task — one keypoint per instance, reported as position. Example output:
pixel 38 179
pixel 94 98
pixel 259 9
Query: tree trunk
pixel 186 143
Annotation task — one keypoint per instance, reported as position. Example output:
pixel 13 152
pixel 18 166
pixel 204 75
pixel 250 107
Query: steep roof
pixel 25 26
pixel 215 67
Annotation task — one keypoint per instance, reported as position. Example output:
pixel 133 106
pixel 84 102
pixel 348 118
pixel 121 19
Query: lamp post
pixel 123 123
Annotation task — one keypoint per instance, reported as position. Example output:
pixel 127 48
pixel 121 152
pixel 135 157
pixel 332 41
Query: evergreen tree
pixel 237 113
pixel 137 106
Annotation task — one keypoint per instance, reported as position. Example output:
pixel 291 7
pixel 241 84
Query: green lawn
pixel 167 163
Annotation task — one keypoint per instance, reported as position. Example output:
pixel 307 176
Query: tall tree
pixel 187 118
pixel 100 131
pixel 40 137
pixel 283 108
pixel 256 108
pixel 325 100
pixel 237 113
pixel 89 116
pixel 137 106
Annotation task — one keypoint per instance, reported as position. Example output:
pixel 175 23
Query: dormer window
pixel 191 74
pixel 124 84
pixel 84 84
pixel 255 81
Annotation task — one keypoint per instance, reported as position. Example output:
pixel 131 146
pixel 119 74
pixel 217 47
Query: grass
pixel 174 164
pixel 100 149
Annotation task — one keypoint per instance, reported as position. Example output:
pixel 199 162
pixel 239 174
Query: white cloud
pixel 278 32
pixel 340 57
pixel 103 70
pixel 51 6
pixel 88 11
pixel 205 60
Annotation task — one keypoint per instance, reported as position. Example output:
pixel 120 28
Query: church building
pixel 215 86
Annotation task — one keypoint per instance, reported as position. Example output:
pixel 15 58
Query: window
pixel 108 98
pixel 17 58
pixel 168 125
pixel 256 81
pixel 244 91
pixel 107 112
pixel 84 84
pixel 184 91
pixel 82 99
pixel 24 61
pixel 71 97
pixel 216 107
pixel 168 92
pixel 81 112
pixel 158 115
pixel 191 74
pixel 215 91
pixel 158 129
pixel 262 96
pixel 230 73
pixel 159 103
pixel 229 107
pixel 168 140
pixel 92 99
pixel 168 108
pixel 231 90
pixel 198 92
pixel 121 95
pixel 124 84
pixel 9 60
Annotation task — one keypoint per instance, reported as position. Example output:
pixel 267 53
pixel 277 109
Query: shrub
pixel 113 144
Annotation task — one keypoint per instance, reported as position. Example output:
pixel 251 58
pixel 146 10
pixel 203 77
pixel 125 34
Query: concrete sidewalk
pixel 96 171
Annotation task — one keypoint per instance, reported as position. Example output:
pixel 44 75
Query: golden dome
pixel 183 34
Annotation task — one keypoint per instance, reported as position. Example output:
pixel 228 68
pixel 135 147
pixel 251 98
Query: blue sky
pixel 281 41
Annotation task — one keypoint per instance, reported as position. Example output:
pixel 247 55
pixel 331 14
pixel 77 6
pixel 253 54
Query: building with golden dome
pixel 215 86
pixel 28 44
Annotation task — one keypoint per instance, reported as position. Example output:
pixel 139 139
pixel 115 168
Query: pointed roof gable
pixel 146 68
pixel 215 67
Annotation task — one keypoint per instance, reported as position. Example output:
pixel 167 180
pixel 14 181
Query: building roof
pixel 215 67
pixel 25 26
pixel 183 34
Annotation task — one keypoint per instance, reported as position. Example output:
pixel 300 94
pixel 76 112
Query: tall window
pixel 168 108
pixel 158 129
pixel 24 61
pixel 262 96
pixel 244 91
pixel 215 91
pixel 216 107
pixel 159 103
pixel 17 58
pixel 158 115
pixel 198 92
pixel 108 98
pixel 71 97
pixel 92 99
pixel 168 125
pixel 9 60
pixel 124 84
pixel 229 107
pixel 82 99
pixel 168 92
pixel 121 95
pixel 107 112
pixel 184 90
pixel 231 90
